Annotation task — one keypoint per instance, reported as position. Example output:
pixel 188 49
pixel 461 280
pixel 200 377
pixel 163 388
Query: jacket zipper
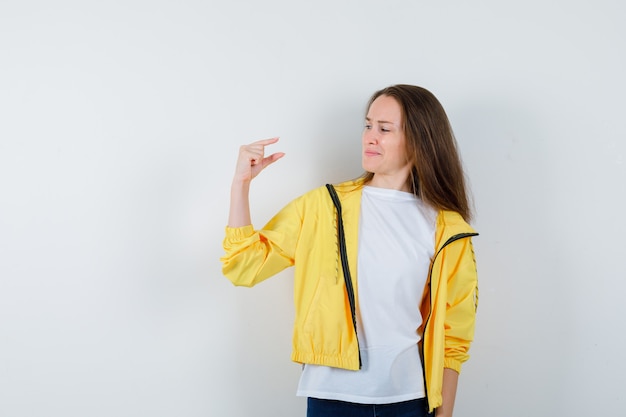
pixel 345 266
pixel 430 307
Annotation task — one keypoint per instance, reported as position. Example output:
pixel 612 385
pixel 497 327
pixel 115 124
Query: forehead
pixel 386 109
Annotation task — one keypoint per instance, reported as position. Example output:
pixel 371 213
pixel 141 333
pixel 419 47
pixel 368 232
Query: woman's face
pixel 384 150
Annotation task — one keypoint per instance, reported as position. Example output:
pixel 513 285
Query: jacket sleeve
pixel 462 302
pixel 252 256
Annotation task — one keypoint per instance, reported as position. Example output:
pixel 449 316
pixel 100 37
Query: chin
pixel 367 166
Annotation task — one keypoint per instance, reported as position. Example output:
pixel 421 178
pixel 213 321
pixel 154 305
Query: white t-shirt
pixel 396 244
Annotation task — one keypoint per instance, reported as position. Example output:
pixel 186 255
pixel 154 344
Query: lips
pixel 370 152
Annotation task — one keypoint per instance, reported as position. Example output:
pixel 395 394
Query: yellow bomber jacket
pixel 303 234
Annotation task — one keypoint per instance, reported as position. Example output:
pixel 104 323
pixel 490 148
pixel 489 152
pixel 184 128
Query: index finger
pixel 265 142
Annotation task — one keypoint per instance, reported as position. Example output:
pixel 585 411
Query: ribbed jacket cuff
pixel 453 364
pixel 239 233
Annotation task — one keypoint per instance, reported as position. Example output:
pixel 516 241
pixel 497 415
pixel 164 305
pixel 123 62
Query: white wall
pixel 119 127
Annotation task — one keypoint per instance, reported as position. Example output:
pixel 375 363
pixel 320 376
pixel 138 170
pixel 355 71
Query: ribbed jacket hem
pixel 334 361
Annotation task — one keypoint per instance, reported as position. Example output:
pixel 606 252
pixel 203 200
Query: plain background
pixel 120 123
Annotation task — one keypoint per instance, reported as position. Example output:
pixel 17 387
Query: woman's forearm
pixel 450 382
pixel 239 214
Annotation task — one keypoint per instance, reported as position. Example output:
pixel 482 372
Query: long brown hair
pixel 437 175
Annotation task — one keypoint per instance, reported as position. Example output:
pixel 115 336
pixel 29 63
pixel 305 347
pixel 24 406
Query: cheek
pixel 402 155
pixel 399 149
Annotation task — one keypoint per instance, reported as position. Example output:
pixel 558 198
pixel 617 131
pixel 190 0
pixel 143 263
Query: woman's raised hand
pixel 252 159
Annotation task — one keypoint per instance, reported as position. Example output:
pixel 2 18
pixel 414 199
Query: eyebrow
pixel 379 121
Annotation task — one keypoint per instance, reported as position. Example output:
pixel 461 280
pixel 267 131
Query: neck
pixel 393 183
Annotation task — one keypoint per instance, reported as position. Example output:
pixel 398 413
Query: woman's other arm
pixel 448 392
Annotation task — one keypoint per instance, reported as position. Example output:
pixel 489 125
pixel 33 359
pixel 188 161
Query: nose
pixel 370 137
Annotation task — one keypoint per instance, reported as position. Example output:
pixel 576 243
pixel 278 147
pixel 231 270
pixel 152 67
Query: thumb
pixel 272 158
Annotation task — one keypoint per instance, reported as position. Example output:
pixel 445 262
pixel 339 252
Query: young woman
pixel 409 251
